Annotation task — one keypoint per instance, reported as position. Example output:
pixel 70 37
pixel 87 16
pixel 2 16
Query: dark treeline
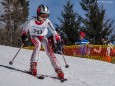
pixel 15 13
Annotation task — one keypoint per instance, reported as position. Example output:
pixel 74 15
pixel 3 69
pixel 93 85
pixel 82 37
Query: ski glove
pixel 57 37
pixel 25 39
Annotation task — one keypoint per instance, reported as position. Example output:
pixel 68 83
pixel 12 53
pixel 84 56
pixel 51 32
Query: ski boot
pixel 33 69
pixel 60 74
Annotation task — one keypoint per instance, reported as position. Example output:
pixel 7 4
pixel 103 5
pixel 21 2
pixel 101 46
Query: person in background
pixel 110 48
pixel 82 42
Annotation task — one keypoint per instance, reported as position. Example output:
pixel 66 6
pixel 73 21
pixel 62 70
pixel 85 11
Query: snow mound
pixel 81 71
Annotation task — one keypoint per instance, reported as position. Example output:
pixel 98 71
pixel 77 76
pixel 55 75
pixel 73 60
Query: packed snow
pixel 81 71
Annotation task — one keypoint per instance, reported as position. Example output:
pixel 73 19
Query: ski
pixel 41 76
pixel 38 76
pixel 53 77
pixel 63 80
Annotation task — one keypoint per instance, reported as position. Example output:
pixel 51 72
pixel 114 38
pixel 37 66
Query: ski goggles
pixel 44 15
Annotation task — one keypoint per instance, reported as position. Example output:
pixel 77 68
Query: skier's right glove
pixel 57 37
pixel 25 39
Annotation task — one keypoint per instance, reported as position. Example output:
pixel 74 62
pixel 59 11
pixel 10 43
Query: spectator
pixel 109 49
pixel 82 42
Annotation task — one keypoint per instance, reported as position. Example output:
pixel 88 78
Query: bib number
pixel 37 31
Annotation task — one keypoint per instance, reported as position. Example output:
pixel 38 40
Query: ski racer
pixel 37 28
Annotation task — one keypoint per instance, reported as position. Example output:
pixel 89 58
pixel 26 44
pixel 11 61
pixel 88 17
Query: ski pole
pixel 66 65
pixel 11 62
pixel 58 45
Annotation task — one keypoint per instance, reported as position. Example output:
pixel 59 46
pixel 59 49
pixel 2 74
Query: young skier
pixel 38 29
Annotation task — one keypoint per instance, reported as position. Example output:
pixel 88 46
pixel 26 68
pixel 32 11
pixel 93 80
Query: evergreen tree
pixel 15 14
pixel 69 26
pixel 95 23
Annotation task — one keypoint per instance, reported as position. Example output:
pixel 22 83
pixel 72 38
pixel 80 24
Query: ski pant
pixel 37 45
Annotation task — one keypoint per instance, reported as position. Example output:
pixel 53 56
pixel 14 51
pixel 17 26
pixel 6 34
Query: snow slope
pixel 82 72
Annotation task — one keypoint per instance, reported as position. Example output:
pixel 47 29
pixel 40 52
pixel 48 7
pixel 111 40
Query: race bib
pixel 36 31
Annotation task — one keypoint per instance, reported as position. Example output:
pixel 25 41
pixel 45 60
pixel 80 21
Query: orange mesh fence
pixel 32 47
pixel 97 52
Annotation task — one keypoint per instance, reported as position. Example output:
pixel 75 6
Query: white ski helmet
pixel 43 9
